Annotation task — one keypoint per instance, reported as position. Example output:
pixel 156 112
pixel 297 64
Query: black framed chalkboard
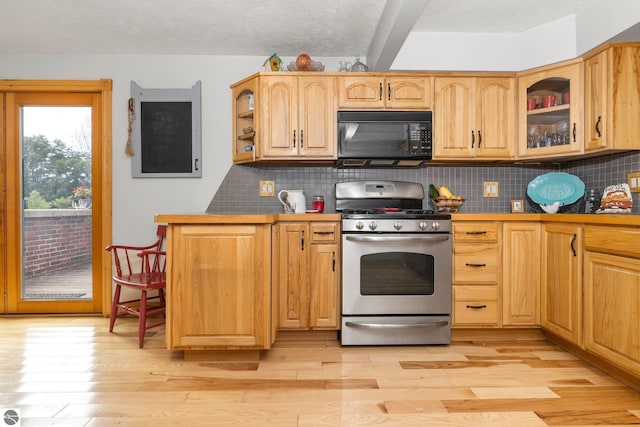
pixel 166 136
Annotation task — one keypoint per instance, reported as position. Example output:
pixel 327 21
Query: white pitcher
pixel 293 201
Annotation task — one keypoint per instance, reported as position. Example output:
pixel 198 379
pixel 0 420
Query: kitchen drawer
pixel 612 240
pixel 476 231
pixel 475 305
pixel 322 232
pixel 476 263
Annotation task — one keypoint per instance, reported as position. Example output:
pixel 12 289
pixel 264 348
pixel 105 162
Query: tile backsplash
pixel 238 192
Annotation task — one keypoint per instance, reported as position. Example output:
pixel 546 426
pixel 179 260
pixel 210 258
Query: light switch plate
pixel 490 189
pixel 267 188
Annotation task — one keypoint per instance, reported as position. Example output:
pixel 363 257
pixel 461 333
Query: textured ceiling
pixel 339 28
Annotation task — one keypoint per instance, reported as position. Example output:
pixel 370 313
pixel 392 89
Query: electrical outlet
pixel 490 189
pixel 267 188
pixel 633 179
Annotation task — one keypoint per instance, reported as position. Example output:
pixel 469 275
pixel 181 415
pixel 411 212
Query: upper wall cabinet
pixel 474 118
pixel 244 118
pixel 550 113
pixel 294 118
pixel 612 99
pixel 380 92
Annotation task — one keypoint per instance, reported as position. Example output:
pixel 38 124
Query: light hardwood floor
pixel 72 372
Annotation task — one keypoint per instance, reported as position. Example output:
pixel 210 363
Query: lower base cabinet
pixel 219 287
pixel 612 295
pixel 307 275
pixel 561 285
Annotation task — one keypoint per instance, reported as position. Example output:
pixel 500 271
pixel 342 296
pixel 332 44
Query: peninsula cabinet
pixel 552 125
pixel 612 99
pixel 521 274
pixel 561 284
pixel 385 92
pixel 476 274
pixel 476 118
pixel 307 274
pixel 219 295
pixel 612 295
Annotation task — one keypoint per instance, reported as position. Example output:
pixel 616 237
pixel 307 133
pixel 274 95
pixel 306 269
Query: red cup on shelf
pixel 566 98
pixel 531 104
pixel 548 101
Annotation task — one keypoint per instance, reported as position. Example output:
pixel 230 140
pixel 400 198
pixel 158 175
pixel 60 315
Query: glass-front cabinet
pixel 244 130
pixel 549 112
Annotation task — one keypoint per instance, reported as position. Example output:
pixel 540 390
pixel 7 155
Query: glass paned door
pixel 54 212
pixel 56 209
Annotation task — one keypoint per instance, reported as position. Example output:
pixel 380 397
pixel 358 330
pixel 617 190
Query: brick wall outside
pixel 56 239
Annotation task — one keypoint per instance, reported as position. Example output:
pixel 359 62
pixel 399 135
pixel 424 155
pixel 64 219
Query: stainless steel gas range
pixel 396 265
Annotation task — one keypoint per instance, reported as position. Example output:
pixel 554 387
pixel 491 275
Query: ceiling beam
pixel 397 20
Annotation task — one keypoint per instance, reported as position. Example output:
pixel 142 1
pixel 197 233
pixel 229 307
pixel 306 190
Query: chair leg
pixel 162 301
pixel 114 308
pixel 142 324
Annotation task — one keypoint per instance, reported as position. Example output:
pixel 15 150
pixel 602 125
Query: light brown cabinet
pixel 385 92
pixel 476 274
pixel 612 99
pixel 476 118
pixel 554 129
pixel 298 117
pixel 612 295
pixel 521 274
pixel 293 118
pixel 561 284
pixel 219 294
pixel 308 275
pixel 245 117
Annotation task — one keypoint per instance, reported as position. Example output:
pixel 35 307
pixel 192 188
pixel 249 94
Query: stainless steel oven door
pixel 396 274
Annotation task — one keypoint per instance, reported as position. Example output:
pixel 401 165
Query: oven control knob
pixel 397 225
pixel 373 225
pixel 423 226
pixel 435 225
pixel 359 225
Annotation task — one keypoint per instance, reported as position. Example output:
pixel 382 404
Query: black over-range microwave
pixel 384 138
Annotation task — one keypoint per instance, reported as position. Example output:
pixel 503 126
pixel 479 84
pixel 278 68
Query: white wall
pixel 545 44
pixel 601 20
pixel 135 201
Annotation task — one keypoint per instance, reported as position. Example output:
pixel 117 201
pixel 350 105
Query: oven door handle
pixel 396 325
pixel 398 239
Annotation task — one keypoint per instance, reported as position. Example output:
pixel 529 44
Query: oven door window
pixel 397 273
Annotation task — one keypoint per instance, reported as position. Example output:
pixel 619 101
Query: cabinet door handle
pixel 389 91
pixel 573 239
pixel 574 132
pixel 477 306
pixel 380 93
pixel 302 240
pixel 479 138
pixel 471 264
pixel 598 126
pixel 476 232
pixel 473 139
pixel 333 261
pixel 294 138
pixel 301 138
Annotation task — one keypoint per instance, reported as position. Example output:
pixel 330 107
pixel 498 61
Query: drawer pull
pixel 477 306
pixel 323 232
pixel 476 232
pixel 470 264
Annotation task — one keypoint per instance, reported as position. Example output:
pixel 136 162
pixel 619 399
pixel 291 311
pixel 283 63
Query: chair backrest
pixel 126 258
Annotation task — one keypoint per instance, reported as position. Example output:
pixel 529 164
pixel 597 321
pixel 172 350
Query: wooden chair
pixel 148 276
